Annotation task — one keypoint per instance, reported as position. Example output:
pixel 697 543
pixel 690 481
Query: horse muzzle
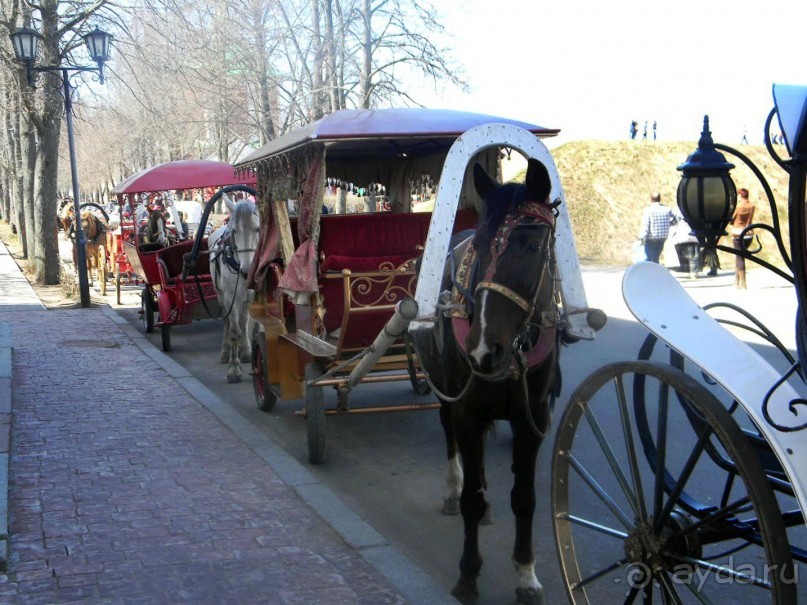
pixel 490 361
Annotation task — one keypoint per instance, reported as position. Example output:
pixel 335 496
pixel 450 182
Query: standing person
pixel 654 130
pixel 656 222
pixel 644 133
pixel 743 216
pixel 634 127
pixel 686 245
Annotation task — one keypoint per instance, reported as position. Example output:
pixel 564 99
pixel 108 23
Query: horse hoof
pixel 529 596
pixel 245 357
pixel 451 505
pixel 465 592
pixel 487 518
pixel 232 379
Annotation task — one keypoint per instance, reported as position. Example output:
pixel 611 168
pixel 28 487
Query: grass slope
pixel 608 184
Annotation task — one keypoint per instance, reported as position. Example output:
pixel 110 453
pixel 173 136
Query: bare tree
pixel 39 120
pixel 396 38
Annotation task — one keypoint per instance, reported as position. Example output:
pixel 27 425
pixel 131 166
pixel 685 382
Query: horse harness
pixel 225 248
pixel 100 234
pixel 535 339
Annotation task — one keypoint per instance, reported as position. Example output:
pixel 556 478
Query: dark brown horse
pixel 494 355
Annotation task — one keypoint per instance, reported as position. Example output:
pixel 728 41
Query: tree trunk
pixel 317 82
pixel 26 199
pixel 367 55
pixel 46 250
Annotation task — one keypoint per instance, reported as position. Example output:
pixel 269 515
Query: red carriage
pixel 176 278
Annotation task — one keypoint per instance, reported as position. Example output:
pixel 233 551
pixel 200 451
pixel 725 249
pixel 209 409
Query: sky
pixel 589 67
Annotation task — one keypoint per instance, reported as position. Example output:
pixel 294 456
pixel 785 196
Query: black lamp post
pixel 706 194
pixel 707 197
pixel 25 42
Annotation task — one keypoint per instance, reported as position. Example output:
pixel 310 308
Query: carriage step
pixel 314 346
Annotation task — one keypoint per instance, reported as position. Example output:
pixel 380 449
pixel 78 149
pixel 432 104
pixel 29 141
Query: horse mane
pixel 499 202
pixel 243 210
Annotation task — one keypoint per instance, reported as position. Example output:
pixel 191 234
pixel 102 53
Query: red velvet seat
pixel 370 243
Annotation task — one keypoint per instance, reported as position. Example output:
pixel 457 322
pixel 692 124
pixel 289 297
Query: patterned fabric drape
pixel 268 244
pixel 299 279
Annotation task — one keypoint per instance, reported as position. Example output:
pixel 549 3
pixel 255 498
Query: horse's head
pixel 154 233
pixel 514 296
pixel 243 230
pixel 90 225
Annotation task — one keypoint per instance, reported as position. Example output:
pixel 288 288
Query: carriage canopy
pixel 382 150
pixel 183 174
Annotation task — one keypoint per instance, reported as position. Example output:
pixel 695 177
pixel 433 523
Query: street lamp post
pixel 706 197
pixel 25 42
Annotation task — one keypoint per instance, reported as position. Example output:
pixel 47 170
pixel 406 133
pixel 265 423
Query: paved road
pixel 389 468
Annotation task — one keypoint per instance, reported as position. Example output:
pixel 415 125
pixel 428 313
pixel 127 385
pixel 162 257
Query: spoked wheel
pixel 315 415
pixel 652 348
pixel 623 532
pixel 165 334
pixel 419 385
pixel 147 308
pixel 264 395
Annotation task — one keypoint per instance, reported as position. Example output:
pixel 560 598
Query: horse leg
pixel 234 373
pixel 245 342
pixel 451 502
pixel 470 439
pixel 522 501
pixel 225 341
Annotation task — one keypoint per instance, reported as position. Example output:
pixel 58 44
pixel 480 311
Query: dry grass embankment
pixel 608 184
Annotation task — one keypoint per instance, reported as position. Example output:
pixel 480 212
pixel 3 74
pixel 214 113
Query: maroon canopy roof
pixel 378 133
pixel 184 174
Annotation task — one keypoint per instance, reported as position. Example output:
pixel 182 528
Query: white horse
pixel 232 247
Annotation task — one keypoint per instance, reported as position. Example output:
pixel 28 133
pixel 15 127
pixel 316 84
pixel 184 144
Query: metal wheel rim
pixel 564 467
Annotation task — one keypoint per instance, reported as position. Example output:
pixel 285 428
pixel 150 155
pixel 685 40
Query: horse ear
pixel 538 184
pixel 229 203
pixel 482 181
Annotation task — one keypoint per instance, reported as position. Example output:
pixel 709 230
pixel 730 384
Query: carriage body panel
pixel 658 301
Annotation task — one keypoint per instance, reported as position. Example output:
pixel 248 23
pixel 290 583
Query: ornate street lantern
pixel 706 194
pixel 25 42
pixel 99 47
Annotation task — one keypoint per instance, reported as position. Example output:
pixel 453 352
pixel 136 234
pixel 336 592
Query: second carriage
pixel 169 289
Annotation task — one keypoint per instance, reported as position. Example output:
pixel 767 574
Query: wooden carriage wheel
pixel 622 531
pixel 315 415
pixel 147 309
pixel 264 395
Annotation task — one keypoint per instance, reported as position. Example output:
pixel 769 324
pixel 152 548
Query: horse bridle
pixel 229 251
pixel 530 214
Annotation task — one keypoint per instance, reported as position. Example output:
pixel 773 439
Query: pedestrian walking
pixel 656 222
pixel 743 216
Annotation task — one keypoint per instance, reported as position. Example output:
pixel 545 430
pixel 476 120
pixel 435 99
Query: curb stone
pixel 5 436
pixel 407 578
